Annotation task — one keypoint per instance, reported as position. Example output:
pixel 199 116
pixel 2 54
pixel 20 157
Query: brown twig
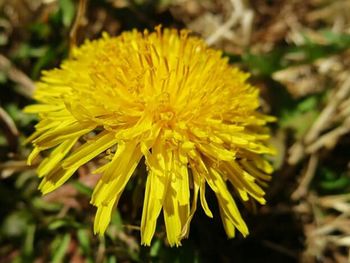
pixel 26 85
pixel 77 22
pixel 279 248
pixel 312 141
pixel 9 128
pixel 330 139
pixel 239 13
pixel 328 112
pixel 307 178
pixel 10 167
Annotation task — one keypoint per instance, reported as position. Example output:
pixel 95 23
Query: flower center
pixel 166 115
pixel 163 111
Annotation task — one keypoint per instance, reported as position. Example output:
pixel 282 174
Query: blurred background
pixel 298 52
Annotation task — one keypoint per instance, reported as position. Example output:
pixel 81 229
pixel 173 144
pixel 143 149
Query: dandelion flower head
pixel 163 98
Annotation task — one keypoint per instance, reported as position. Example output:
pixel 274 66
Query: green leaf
pixel 65 222
pixel 264 64
pixel 3 141
pixel 20 118
pixel 301 116
pixel 83 189
pixel 42 31
pixel 3 77
pixel 112 259
pixel 15 224
pixel 24 178
pixel 342 40
pixel 25 50
pixel 60 251
pixel 268 63
pixel 29 241
pixel 68 10
pixel 155 248
pixel 116 219
pixel 3 39
pixel 332 181
pixel 84 240
pixel 308 104
pixel 41 204
pixel 337 184
pixel 49 55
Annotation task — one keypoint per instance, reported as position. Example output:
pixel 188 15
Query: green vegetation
pixel 302 67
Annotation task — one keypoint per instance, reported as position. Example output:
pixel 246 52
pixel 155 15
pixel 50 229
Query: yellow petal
pixel 56 156
pixel 230 211
pixel 55 179
pixel 156 189
pixel 199 179
pixel 67 131
pixel 181 187
pixel 35 152
pixel 37 108
pixel 186 227
pixel 90 150
pixel 117 174
pixel 228 225
pixel 217 152
pixel 152 206
pixel 103 216
pixel 244 181
pixel 204 200
pixel 182 178
pixel 172 218
pixel 171 214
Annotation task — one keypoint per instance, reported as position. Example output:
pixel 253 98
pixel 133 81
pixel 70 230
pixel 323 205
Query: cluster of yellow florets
pixel 165 97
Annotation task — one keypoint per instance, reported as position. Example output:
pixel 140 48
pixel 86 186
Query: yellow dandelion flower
pixel 163 97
